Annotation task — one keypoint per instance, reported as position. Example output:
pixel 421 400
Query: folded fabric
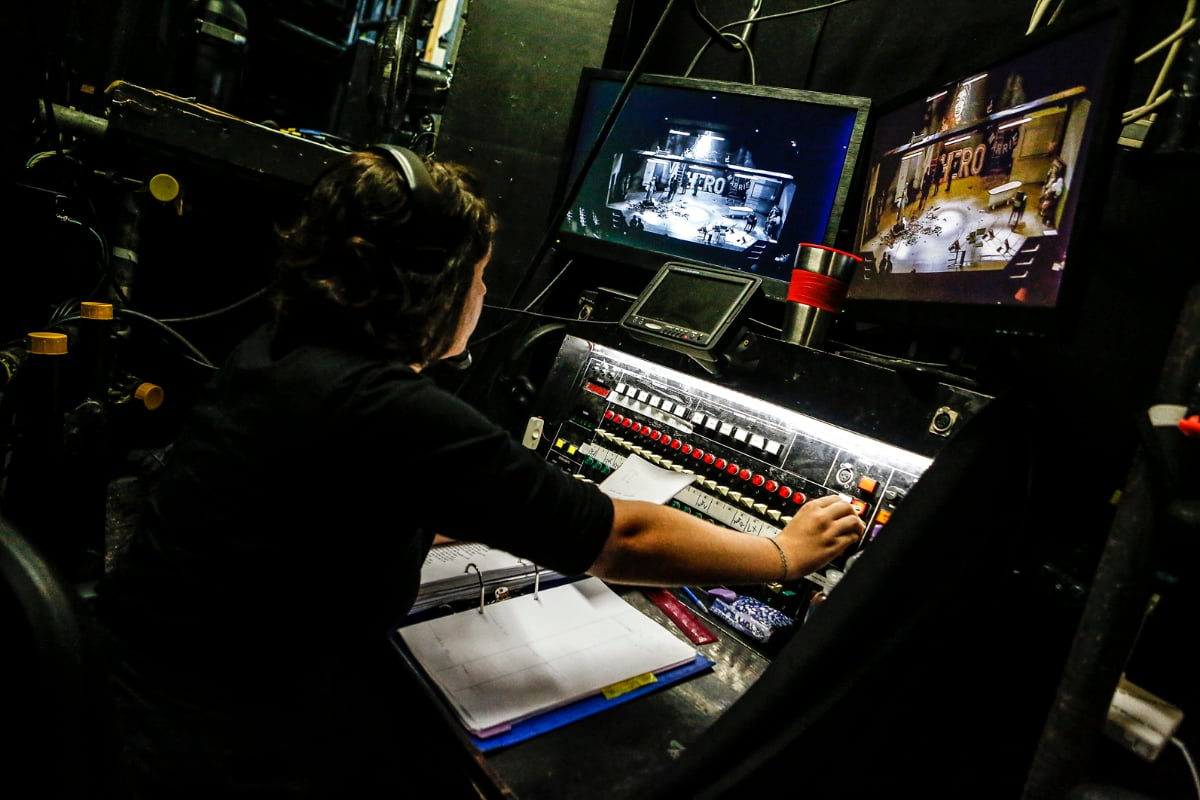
pixel 751 617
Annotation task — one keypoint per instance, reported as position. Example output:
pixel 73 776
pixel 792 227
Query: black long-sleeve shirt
pixel 285 537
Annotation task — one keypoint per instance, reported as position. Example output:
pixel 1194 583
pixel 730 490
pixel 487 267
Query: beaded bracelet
pixel 782 557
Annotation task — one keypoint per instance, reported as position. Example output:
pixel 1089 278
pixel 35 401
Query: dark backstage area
pixel 622 399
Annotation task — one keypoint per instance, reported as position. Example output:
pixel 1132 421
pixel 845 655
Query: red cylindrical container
pixel 820 280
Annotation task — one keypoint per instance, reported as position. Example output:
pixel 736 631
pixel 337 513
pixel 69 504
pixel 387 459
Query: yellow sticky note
pixel 628 685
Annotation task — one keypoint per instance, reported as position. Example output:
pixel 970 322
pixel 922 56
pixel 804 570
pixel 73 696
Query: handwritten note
pixel 638 479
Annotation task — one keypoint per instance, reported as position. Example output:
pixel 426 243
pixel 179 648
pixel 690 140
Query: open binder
pixel 456 572
pixel 525 665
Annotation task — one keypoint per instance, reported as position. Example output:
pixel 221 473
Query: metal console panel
pixel 755 461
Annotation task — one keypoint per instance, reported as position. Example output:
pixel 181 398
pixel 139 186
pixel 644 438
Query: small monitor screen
pixel 973 188
pixel 700 306
pixel 716 173
pixel 691 305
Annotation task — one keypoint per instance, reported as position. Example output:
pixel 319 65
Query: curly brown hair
pixel 362 258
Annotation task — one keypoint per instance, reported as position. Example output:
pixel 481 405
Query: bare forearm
pixel 658 545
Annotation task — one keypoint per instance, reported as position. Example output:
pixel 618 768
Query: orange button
pixel 868 484
pixel 883 516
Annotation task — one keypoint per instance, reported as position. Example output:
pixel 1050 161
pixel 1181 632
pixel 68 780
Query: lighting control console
pixel 755 463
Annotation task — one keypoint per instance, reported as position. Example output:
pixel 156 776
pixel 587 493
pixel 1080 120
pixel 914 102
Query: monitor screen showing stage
pixel 715 173
pixel 973 188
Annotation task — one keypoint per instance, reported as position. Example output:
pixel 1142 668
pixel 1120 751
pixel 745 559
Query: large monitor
pixel 975 190
pixel 710 172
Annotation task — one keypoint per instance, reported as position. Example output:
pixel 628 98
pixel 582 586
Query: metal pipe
pixel 77 123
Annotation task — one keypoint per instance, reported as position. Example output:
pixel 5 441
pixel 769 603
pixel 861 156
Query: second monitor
pixel 717 173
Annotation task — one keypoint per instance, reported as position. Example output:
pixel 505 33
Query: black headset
pixel 425 207
pixel 416 175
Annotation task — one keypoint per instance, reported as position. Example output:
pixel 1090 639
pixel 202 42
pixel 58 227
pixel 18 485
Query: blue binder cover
pixel 556 718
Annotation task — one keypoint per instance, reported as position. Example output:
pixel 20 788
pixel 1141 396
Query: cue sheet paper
pixel 537 652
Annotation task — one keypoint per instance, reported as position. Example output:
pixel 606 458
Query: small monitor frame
pixel 691 308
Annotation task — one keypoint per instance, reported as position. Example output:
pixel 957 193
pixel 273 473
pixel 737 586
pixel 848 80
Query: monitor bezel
pixel 649 257
pixel 1006 322
pixel 657 329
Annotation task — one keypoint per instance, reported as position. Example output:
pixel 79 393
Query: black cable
pixel 509 325
pixel 51 122
pixel 628 31
pixel 906 366
pixel 780 15
pixel 528 341
pixel 812 53
pixel 194 353
pixel 197 356
pixel 569 196
pixel 714 33
pixel 66 310
pixel 522 312
pixel 106 275
pixel 225 310
pixel 609 121
pixel 549 285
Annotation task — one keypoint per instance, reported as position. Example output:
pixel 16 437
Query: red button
pixel 675 445
pixel 785 492
pixel 708 457
pixel 685 449
pixel 770 486
pixel 745 474
pixel 720 463
pixel 655 435
pixel 732 469
pixel 798 498
pixel 758 480
pixel 609 414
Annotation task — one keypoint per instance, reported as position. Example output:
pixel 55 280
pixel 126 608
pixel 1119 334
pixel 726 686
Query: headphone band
pixel 416 175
